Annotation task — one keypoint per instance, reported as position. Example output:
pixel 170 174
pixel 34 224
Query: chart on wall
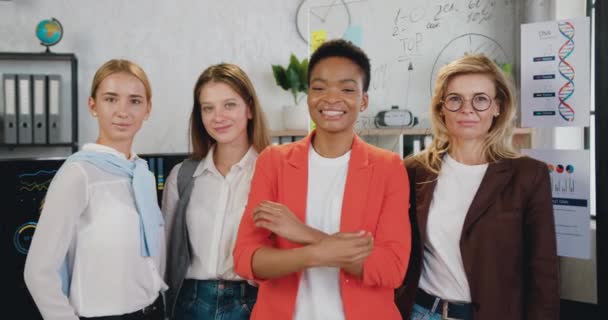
pixel 409 41
pixel 569 173
pixel 555 71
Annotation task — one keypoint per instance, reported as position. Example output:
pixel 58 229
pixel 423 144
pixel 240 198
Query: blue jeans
pixel 422 313
pixel 215 300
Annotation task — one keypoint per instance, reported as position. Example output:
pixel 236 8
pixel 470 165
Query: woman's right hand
pixel 342 249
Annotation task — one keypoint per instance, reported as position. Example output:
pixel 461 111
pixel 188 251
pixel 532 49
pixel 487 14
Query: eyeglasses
pixel 480 102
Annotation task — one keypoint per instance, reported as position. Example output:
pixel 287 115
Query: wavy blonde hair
pixel 498 142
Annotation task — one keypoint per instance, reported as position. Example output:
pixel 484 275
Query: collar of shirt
pixel 207 164
pixel 103 148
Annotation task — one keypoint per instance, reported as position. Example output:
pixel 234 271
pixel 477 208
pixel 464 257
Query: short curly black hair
pixel 344 49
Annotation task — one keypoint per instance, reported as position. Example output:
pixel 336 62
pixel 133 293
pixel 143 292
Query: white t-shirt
pixel 319 295
pixel 90 214
pixel 443 273
pixel 213 215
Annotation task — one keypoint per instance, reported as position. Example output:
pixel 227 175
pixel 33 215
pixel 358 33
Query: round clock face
pixel 332 16
pixel 470 43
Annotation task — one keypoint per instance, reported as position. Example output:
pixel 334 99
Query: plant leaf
pixel 293 60
pixel 280 76
pixel 304 75
pixel 294 82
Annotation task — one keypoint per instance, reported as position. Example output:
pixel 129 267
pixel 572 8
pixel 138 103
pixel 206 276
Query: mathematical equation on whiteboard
pixel 409 24
pixel 408 41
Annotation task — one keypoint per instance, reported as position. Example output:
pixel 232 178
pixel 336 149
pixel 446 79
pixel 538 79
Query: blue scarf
pixel 144 189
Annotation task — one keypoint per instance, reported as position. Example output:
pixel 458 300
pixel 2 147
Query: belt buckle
pixel 444 311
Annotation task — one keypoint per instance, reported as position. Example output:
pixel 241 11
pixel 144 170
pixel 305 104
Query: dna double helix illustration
pixel 566 71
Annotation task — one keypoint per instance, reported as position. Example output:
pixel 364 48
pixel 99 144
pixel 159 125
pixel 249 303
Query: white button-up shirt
pixel 213 214
pixel 90 216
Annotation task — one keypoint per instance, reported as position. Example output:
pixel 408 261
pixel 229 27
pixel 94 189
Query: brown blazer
pixel 508 242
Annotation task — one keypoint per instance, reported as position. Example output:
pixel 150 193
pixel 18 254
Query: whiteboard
pixel 408 41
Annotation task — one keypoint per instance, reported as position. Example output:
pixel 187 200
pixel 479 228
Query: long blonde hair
pixel 233 76
pixel 498 142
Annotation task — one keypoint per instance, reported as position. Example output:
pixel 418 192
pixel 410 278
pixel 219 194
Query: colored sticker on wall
pixel 316 39
pixel 354 34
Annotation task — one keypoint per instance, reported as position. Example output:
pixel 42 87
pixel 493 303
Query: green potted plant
pixel 293 79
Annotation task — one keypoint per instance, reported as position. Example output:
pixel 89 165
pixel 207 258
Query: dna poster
pixel 570 187
pixel 555 73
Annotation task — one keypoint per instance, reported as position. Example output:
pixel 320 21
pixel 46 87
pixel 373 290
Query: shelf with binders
pixel 38 104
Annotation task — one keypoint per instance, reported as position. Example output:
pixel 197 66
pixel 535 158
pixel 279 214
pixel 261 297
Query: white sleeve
pixel 65 201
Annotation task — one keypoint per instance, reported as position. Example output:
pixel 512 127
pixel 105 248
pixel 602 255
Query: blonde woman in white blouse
pixel 99 250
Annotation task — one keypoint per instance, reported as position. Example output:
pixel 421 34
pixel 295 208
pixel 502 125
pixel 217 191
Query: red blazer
pixel 376 199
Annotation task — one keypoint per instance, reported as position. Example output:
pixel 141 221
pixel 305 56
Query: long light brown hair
pixel 498 141
pixel 117 66
pixel 233 76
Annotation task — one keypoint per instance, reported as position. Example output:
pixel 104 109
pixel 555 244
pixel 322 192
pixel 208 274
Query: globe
pixel 49 32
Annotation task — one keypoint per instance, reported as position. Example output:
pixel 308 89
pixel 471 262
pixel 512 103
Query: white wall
pixel 173 41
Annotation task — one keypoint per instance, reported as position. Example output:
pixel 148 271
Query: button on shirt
pixel 213 214
pixel 90 215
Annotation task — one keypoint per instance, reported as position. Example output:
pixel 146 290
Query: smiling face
pixel 335 94
pixel 468 123
pixel 224 113
pixel 120 105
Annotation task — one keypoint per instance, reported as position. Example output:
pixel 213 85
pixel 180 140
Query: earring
pixel 94 114
pixel 497 114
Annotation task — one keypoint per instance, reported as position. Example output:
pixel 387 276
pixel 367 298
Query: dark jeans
pixel 155 311
pixel 215 300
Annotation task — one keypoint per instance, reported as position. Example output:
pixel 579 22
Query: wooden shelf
pixel 382 132
pixel 288 133
pixel 394 132
pixel 522 131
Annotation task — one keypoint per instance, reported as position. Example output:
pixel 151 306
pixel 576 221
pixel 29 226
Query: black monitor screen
pixel 23 185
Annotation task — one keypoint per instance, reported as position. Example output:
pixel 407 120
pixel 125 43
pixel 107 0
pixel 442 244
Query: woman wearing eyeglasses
pixel 484 242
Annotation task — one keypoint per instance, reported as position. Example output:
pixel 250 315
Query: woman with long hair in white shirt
pixel 99 250
pixel 205 196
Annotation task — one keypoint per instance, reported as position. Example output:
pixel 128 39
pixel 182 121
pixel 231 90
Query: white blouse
pixel 213 214
pixel 90 216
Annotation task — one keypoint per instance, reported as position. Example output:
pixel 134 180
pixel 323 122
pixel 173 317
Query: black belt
pixel 447 309
pixel 156 308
